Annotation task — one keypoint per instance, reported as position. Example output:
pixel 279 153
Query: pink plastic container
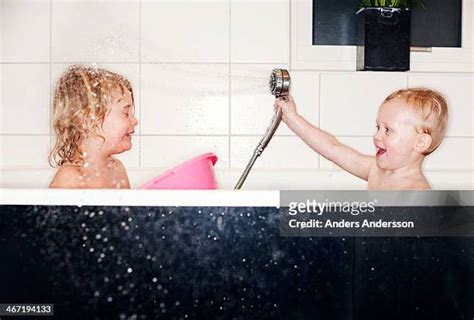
pixel 197 173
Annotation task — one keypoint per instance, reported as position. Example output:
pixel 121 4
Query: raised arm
pixel 324 143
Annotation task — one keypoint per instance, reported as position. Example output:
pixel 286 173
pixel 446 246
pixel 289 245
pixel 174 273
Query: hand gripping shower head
pixel 279 87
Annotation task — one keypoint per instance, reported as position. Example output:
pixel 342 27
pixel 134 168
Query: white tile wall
pixel 260 31
pixel 251 101
pixel 25 29
pixel 24 150
pixel 200 70
pixel 252 105
pixel 95 31
pixel 458 89
pixel 282 152
pixel 453 153
pixel 25 99
pixel 350 101
pixel 1 96
pixel 185 99
pixel 185 31
pixel 169 151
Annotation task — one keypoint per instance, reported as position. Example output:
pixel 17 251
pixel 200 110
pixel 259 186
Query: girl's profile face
pixel 119 123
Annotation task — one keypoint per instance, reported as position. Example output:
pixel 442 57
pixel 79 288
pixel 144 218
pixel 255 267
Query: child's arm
pixel 324 143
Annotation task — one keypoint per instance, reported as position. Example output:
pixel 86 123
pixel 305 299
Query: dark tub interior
pixel 222 263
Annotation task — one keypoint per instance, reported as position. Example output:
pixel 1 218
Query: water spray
pixel 280 88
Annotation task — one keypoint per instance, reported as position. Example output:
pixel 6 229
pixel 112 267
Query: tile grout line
pixel 151 63
pixel 289 35
pixel 225 135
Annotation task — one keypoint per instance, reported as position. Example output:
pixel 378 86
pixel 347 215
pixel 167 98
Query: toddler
pixel 410 125
pixel 93 120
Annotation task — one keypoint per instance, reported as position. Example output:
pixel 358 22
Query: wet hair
pixel 81 101
pixel 432 108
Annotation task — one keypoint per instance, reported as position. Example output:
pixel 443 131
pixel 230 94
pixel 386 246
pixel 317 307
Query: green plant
pixel 392 3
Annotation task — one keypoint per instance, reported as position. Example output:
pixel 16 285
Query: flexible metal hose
pixel 279 87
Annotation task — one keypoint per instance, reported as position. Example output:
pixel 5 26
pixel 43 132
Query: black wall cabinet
pixel 438 25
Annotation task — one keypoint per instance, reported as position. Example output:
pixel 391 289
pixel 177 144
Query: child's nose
pixel 134 120
pixel 377 135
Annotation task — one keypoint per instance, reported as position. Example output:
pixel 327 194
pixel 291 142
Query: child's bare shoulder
pixel 420 183
pixel 121 174
pixel 119 164
pixel 67 176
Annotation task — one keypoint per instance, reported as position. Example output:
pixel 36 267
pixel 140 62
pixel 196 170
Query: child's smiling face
pixel 119 124
pixel 396 136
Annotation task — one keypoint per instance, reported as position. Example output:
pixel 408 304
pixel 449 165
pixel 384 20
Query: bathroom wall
pixel 200 71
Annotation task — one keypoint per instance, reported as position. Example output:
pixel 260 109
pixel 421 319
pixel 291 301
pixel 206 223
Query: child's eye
pixel 387 130
pixel 377 127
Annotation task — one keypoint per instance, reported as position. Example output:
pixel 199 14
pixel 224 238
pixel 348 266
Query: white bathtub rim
pixel 142 198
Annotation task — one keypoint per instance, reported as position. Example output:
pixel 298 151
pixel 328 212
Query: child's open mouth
pixel 130 134
pixel 380 151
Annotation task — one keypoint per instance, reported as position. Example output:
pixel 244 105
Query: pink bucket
pixel 197 173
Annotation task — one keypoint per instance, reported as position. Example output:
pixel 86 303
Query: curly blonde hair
pixel 81 102
pixel 432 109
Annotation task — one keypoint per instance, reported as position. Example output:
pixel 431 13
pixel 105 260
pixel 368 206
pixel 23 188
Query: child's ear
pixel 423 142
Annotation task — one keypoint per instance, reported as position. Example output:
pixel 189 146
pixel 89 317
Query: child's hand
pixel 287 106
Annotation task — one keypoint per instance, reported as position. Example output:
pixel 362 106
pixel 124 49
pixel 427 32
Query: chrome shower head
pixel 280 83
pixel 280 88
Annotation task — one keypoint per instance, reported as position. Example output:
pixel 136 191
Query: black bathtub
pixel 225 260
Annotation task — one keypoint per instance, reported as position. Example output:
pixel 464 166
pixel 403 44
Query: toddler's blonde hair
pixel 432 109
pixel 81 102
